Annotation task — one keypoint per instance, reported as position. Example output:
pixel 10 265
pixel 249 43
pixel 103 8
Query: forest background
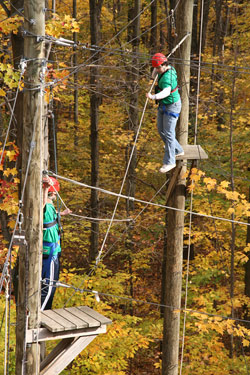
pixel 95 94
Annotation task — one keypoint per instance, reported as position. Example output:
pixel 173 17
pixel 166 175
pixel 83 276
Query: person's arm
pixel 67 211
pixel 160 95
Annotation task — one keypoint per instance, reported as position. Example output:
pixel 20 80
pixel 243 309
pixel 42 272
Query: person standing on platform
pixel 51 242
pixel 169 109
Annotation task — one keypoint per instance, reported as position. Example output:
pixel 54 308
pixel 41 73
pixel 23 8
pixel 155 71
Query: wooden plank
pixel 94 314
pixel 172 182
pixel 91 322
pixel 43 334
pixel 69 351
pixel 48 322
pixel 53 319
pixel 194 152
pixel 78 321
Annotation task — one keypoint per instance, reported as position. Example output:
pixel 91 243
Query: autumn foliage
pixel 215 323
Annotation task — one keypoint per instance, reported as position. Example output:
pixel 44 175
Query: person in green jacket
pixel 168 111
pixel 51 242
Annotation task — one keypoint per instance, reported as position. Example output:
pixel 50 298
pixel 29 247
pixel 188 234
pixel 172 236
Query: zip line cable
pixel 121 236
pixel 87 217
pixel 58 284
pixel 110 40
pixel 147 202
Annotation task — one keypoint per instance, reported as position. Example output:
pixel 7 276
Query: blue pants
pixel 166 124
pixel 50 275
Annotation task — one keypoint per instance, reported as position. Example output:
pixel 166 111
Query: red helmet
pixel 55 186
pixel 158 59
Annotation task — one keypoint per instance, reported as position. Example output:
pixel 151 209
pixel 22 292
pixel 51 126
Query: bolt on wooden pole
pixel 28 356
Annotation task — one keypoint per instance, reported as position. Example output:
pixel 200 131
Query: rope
pixel 88 217
pixel 124 178
pixel 32 145
pixel 174 308
pixel 148 202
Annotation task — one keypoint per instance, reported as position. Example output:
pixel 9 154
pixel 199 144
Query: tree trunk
pixel 133 92
pixel 175 219
pixel 153 35
pixel 32 200
pixel 206 8
pixel 95 101
pixel 75 80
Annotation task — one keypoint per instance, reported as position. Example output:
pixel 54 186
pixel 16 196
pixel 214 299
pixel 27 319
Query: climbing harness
pixel 50 224
pixel 168 113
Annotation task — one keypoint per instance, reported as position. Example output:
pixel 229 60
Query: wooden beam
pixel 172 182
pixel 56 352
pixel 43 334
pixel 63 354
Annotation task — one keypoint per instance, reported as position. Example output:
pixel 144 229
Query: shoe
pixel 180 154
pixel 167 167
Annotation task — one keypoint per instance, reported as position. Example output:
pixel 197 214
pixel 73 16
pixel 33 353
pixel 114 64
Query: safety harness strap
pixel 49 224
pixel 168 113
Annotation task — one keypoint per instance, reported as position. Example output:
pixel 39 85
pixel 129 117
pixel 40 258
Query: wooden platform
pixel 193 152
pixel 75 326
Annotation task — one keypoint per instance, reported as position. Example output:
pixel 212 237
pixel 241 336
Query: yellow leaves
pixel 210 183
pixel 245 342
pixel 195 176
pixel 232 195
pixel 224 184
pixel 231 210
pixel 10 171
pixel 59 25
pixel 11 155
pixel 9 205
pixel 2 92
pixel 9 76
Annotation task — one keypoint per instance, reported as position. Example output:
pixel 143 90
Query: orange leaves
pixel 11 24
pixel 8 184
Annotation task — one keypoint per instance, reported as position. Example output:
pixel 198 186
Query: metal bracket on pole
pixel 19 234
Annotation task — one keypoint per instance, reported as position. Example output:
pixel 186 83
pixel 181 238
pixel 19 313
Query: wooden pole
pixel 76 119
pixel 95 8
pixel 175 219
pixel 28 357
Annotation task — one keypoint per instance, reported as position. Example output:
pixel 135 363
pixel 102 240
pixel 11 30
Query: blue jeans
pixel 50 275
pixel 166 124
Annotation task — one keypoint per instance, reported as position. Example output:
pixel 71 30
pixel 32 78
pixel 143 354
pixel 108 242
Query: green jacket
pixel 169 78
pixel 50 228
